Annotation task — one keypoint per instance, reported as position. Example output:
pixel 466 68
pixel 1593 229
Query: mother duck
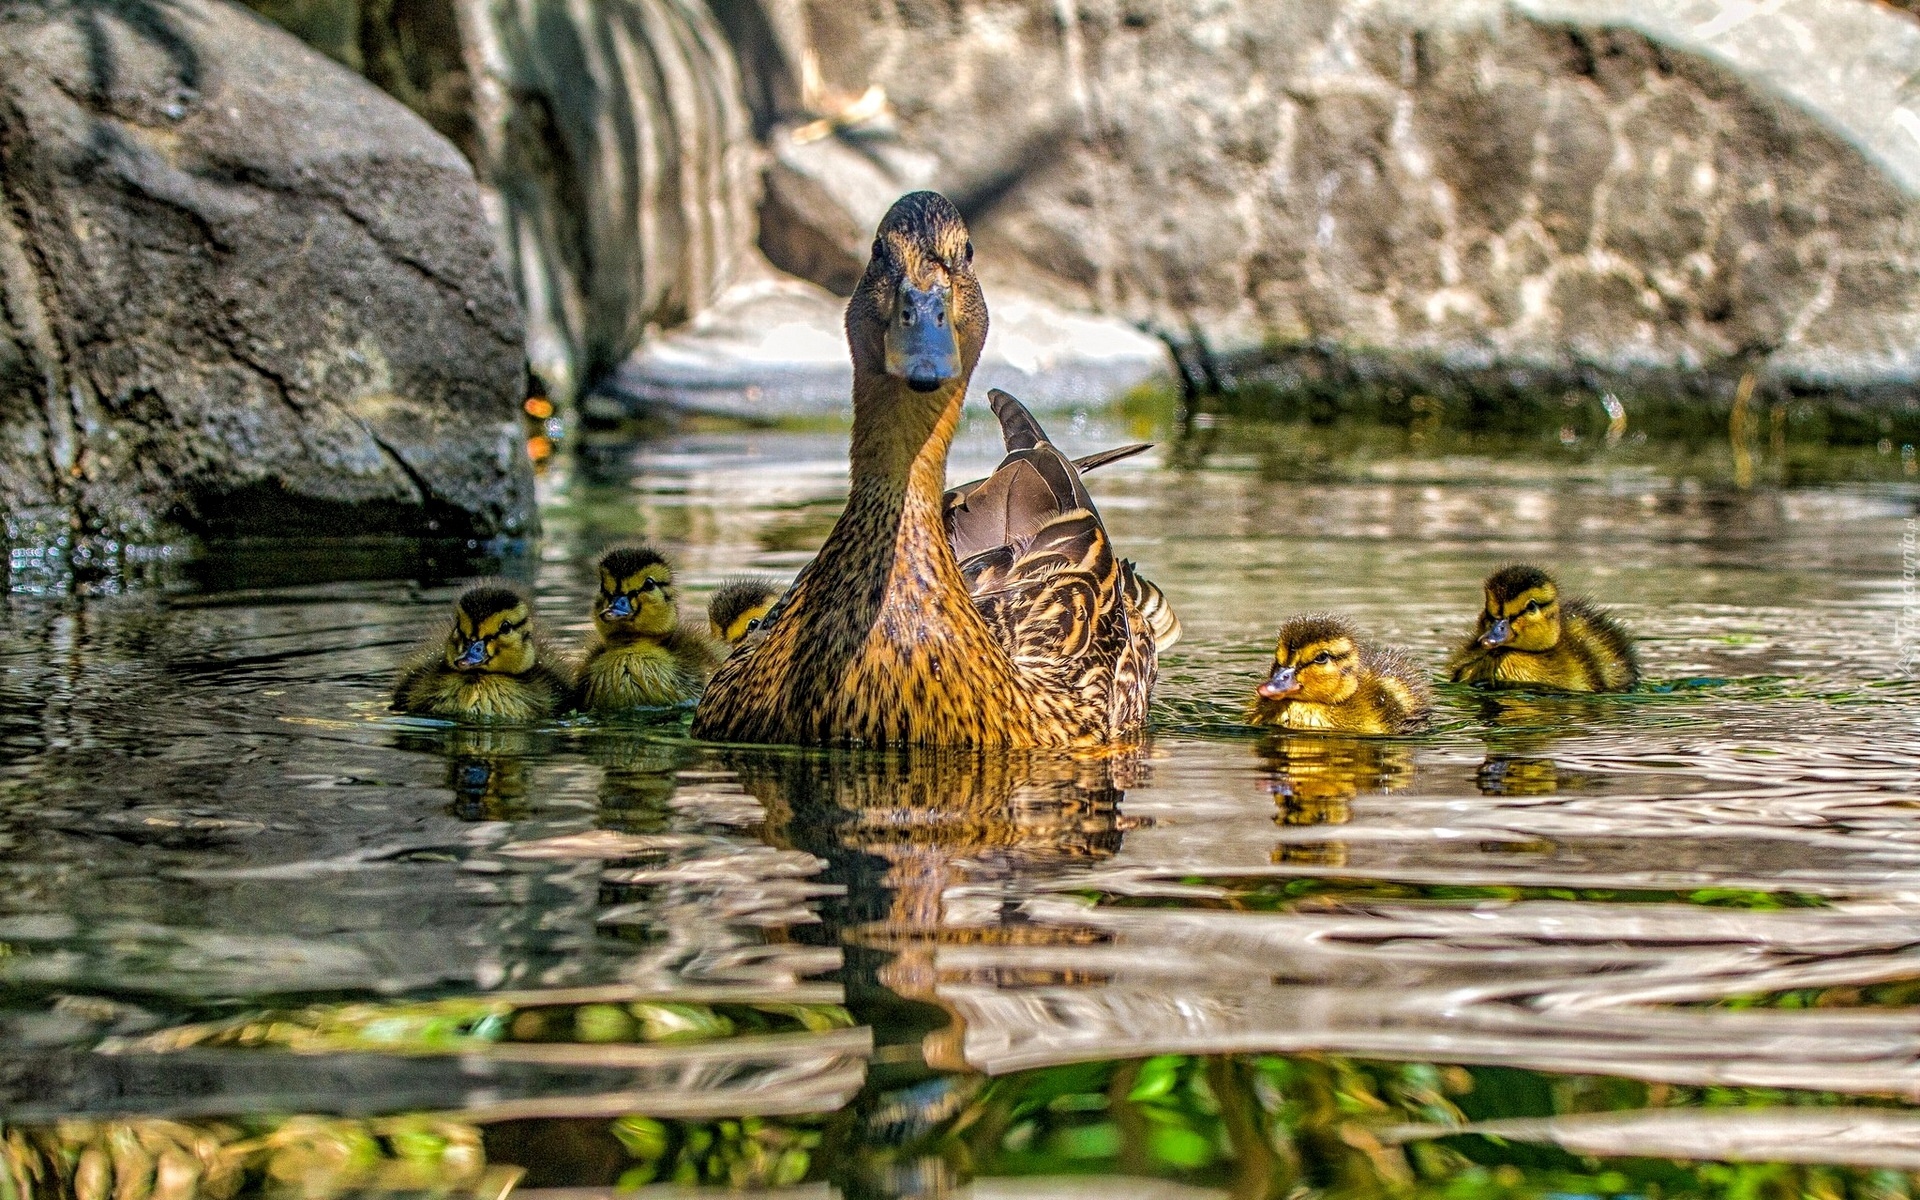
pixel 1033 634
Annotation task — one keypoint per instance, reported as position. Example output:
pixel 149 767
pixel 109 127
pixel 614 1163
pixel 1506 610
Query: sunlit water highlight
pixel 217 849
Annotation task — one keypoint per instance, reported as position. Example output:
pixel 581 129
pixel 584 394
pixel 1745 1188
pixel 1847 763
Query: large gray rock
pixel 1577 188
pixel 245 292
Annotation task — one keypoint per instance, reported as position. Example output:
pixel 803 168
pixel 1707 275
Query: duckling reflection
pixel 487 768
pixel 1509 775
pixel 1314 779
pixel 925 841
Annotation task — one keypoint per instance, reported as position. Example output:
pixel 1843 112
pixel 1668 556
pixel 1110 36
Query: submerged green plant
pixel 751 1152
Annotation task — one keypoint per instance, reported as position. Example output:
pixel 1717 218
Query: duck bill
pixel 1284 682
pixel 474 655
pixel 618 609
pixel 1499 634
pixel 920 345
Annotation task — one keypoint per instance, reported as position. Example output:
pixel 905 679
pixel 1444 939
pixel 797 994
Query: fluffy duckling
pixel 739 607
pixel 640 655
pixel 1531 636
pixel 491 666
pixel 1324 679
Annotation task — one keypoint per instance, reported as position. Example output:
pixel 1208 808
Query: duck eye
pixel 969 250
pixel 753 624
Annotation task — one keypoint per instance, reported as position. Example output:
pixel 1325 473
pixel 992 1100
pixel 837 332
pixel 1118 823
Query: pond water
pixel 257 933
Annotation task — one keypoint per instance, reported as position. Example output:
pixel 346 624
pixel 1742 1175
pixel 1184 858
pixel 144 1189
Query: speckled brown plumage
pixel 883 639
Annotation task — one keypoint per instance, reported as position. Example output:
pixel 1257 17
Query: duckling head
pixel 1317 661
pixel 737 609
pixel 1522 610
pixel 636 594
pixel 918 317
pixel 492 631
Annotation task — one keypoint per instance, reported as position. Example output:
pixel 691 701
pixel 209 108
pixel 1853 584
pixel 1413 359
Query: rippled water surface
pixel 258 933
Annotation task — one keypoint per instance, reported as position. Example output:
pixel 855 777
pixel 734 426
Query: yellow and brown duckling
pixel 1325 679
pixel 640 655
pixel 491 666
pixel 1008 621
pixel 1529 635
pixel 738 608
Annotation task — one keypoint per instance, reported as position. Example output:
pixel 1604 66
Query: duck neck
pixel 899 457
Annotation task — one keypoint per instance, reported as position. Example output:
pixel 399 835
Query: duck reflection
pixel 935 848
pixel 1314 778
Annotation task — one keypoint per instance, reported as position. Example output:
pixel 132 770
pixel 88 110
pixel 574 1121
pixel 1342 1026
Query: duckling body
pixel 491 666
pixel 640 655
pixel 1528 635
pixel 884 639
pixel 1326 680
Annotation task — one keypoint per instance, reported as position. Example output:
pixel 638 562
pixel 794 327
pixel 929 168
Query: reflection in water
pixel 1287 966
pixel 1314 778
pixel 935 848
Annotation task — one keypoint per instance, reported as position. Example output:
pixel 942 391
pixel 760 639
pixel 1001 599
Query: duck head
pixel 636 594
pixel 492 631
pixel 918 319
pixel 737 609
pixel 1522 610
pixel 1316 661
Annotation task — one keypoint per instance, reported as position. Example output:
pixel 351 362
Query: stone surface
pixel 244 292
pixel 613 141
pixel 1589 188
pixel 778 347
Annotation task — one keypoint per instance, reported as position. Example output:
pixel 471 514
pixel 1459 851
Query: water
pixel 1629 943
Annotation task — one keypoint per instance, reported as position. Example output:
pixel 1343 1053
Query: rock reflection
pixel 1314 779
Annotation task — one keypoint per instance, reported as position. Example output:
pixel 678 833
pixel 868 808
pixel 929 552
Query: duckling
pixel 1325 679
pixel 1530 636
pixel 640 655
pixel 739 607
pixel 886 638
pixel 492 666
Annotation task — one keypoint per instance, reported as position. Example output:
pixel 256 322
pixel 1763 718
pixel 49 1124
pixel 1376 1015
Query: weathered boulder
pixel 1564 188
pixel 244 292
pixel 612 141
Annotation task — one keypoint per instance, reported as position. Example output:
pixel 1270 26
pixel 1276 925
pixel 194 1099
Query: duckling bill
pixel 640 655
pixel 491 665
pixel 1324 678
pixel 1529 635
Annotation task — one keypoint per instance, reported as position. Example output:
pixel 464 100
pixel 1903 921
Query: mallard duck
pixel 738 608
pixel 1531 636
pixel 1010 623
pixel 1325 679
pixel 491 666
pixel 640 655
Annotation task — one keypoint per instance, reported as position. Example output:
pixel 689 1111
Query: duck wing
pixel 989 520
pixel 1041 571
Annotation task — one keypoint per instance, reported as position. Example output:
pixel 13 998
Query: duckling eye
pixel 1323 657
pixel 1533 606
pixel 753 624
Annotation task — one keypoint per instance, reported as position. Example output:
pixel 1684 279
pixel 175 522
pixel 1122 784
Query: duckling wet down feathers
pixel 1013 624
pixel 640 655
pixel 1529 635
pixel 490 666
pixel 1325 678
